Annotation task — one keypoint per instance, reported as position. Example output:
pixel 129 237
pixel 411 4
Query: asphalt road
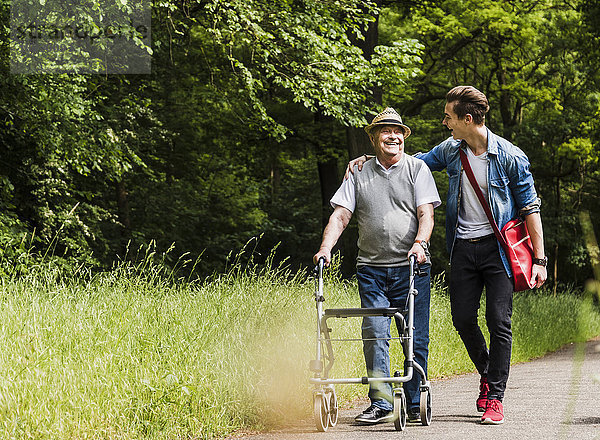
pixel 554 397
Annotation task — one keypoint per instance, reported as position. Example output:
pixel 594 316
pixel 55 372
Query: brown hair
pixel 468 100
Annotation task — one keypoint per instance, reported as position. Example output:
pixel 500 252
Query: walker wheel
pixel 320 412
pixel 399 410
pixel 333 408
pixel 425 407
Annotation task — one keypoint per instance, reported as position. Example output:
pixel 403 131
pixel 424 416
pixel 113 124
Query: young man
pixel 476 257
pixel 393 199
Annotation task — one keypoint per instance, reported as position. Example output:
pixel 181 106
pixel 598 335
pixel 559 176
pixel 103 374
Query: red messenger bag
pixel 514 236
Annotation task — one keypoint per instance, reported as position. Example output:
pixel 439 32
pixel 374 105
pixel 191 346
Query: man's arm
pixel 436 158
pixel 337 223
pixel 425 217
pixel 536 233
pixel 521 183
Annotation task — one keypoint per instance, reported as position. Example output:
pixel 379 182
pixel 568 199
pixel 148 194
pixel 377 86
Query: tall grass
pixel 134 353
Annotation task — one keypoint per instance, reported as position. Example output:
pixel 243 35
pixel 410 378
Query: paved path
pixel 555 397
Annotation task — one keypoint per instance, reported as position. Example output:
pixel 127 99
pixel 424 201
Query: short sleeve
pixel 345 196
pixel 425 189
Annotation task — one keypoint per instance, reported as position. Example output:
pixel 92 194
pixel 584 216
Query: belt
pixel 478 239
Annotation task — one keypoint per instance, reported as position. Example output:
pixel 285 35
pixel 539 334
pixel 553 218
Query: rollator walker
pixel 325 404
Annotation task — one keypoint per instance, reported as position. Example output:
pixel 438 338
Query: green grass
pixel 132 354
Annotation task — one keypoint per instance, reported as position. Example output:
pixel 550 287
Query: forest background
pixel 243 129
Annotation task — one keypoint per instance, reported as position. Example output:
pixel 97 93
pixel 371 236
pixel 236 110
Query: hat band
pixel 393 121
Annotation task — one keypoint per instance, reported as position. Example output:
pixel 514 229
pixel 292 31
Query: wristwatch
pixel 423 244
pixel 541 261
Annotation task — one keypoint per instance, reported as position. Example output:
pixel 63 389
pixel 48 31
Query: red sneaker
pixel 482 400
pixel 494 414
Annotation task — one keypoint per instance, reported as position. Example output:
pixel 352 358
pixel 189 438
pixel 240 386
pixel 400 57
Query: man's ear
pixel 468 118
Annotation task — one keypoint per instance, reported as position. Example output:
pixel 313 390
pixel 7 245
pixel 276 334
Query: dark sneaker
pixel 414 415
pixel 482 400
pixel 373 415
pixel 494 413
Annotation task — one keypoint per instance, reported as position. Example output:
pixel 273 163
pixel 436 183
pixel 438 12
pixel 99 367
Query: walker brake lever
pixel 417 270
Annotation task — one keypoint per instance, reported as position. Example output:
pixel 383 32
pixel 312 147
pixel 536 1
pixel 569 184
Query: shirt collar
pixel 492 146
pixel 388 169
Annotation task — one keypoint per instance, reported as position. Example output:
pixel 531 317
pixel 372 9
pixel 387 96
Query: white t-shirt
pixel 425 189
pixel 472 221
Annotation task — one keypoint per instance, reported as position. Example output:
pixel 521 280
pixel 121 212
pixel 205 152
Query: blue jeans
pixel 388 287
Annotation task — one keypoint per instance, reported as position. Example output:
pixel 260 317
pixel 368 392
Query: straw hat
pixel 388 117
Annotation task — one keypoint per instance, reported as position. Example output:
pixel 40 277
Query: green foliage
pixel 242 127
pixel 534 309
pixel 15 243
pixel 54 37
pixel 306 50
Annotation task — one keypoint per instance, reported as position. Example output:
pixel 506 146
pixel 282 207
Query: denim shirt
pixel 511 190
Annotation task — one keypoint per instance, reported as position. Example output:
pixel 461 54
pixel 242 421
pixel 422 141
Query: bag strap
pixel 486 207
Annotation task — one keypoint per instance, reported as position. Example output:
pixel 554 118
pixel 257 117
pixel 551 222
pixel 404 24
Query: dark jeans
pixel 388 287
pixel 475 265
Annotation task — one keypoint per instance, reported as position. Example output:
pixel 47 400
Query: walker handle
pixel 318 270
pixel 415 269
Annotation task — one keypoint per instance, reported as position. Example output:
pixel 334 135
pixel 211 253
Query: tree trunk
pixel 555 272
pixel 505 111
pixel 328 176
pixel 556 216
pixel 123 213
pixel 357 141
pixel 275 175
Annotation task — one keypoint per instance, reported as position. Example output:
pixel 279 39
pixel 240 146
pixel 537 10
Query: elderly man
pixel 393 199
pixel 477 259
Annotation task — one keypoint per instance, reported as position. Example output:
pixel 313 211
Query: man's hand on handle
pixel 325 253
pixel 419 252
